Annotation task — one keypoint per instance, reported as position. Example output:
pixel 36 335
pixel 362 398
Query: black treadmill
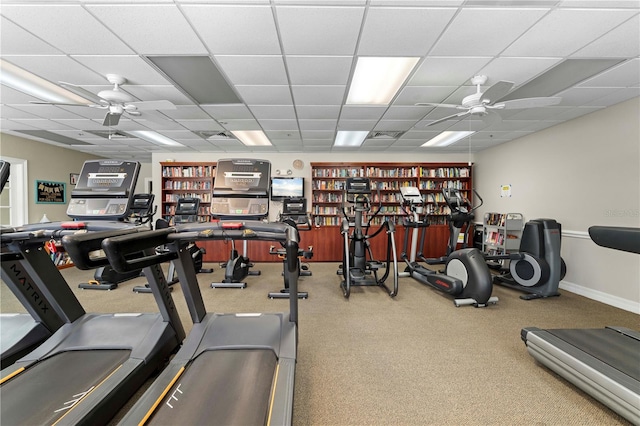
pixel 89 368
pixel 605 363
pixel 233 368
pixel 20 333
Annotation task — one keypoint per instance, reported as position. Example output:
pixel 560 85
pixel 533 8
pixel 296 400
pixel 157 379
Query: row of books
pixel 173 198
pixel 187 184
pixel 439 185
pixel 188 171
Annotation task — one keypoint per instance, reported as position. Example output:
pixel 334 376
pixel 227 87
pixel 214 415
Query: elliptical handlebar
pixel 455 202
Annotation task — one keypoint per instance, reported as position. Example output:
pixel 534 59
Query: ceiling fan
pixel 115 101
pixel 483 104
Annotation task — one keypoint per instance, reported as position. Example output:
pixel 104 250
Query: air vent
pixel 108 134
pixel 389 134
pixel 214 135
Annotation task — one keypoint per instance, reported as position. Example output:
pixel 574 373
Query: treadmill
pixel 90 367
pixel 20 333
pixel 605 363
pixel 233 368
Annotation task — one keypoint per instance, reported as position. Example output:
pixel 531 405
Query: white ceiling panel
pixel 613 98
pixel 621 42
pixel 235 30
pixel 367 112
pixel 253 70
pixel 16 112
pixel 517 70
pixel 265 95
pixel 319 30
pixel 565 31
pixel 157 93
pixel 200 124
pixel 227 112
pixel 290 125
pixel 66 28
pixel 48 111
pixel 414 30
pixel 44 124
pixel 16 41
pixel 318 95
pixel 132 67
pixel 187 112
pixel 468 26
pixel 151 29
pixel 319 70
pixel 412 95
pixel 404 112
pixel 329 125
pixel 582 95
pixel 274 112
pixel 447 71
pixel 626 74
pixel 318 112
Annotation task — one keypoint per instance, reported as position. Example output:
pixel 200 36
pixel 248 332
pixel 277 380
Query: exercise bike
pixel 294 214
pixel 536 268
pixel 466 275
pixel 358 265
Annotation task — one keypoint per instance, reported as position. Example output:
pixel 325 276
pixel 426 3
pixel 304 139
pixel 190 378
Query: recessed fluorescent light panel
pixel 252 137
pixel 447 138
pixel 154 137
pixel 376 80
pixel 23 81
pixel 350 138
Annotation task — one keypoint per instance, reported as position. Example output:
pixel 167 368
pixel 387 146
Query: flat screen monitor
pixel 287 187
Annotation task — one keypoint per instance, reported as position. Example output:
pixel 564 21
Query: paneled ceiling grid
pixel 290 63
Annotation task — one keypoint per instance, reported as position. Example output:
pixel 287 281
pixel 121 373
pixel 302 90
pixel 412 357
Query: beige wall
pixel 44 162
pixel 583 172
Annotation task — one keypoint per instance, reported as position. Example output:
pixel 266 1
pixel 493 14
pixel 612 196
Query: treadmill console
pixel 241 189
pixel 104 190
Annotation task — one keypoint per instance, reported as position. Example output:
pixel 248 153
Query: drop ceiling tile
pixel 132 67
pixel 621 42
pixel 242 125
pixel 356 124
pixel 17 41
pixel 615 97
pixel 412 95
pixel 57 68
pixel 265 95
pixel 187 112
pixel 564 31
pixel 578 96
pixel 319 70
pixel 414 30
pixel 165 29
pixel 319 30
pixel 392 125
pixel 318 112
pixel 516 70
pixel 66 27
pixel 274 112
pixel 86 112
pixel 282 135
pixel 318 95
pixel 41 123
pixel 512 23
pixel 253 70
pixel 200 124
pixel 227 112
pixel 10 125
pixel 16 112
pixel 578 112
pixel 47 111
pixel 439 71
pixel 396 112
pixel 157 93
pixel 220 25
pixel 366 112
pixel 329 125
pixel 317 134
pixel 290 125
pixel 81 124
pixel 12 96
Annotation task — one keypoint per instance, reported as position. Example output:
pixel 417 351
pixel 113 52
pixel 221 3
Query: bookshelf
pixel 328 183
pixel 502 232
pixel 185 180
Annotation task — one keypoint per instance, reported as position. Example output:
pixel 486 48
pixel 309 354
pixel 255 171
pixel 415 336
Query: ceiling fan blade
pixel 496 92
pixel 151 105
pixel 440 105
pixel 449 117
pixel 529 103
pixel 111 119
pixel 81 92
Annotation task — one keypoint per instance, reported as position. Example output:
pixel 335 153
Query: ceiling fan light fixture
pixel 26 82
pixel 376 80
pixel 447 138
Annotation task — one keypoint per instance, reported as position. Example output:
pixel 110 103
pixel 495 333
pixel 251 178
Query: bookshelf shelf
pixel 501 232
pixel 187 180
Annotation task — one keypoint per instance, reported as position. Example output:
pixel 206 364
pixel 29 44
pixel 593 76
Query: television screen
pixel 287 187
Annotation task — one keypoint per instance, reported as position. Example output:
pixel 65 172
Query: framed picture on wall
pixel 73 178
pixel 48 192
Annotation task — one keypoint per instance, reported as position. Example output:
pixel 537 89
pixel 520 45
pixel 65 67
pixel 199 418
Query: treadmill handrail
pixel 616 237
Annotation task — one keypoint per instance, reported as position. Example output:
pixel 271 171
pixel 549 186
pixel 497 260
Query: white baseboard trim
pixel 618 302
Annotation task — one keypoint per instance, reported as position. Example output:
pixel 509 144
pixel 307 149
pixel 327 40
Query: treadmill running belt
pixel 44 393
pixel 222 387
pixel 611 347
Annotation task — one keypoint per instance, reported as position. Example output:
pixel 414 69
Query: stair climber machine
pixel 186 212
pixel 359 268
pixel 105 192
pixel 20 333
pixel 603 362
pixel 294 214
pixel 93 363
pixel 466 275
pixel 233 368
pixel 536 268
pixel 240 192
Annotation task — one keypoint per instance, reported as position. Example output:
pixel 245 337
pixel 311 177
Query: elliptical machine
pixel 358 265
pixel 536 268
pixel 466 275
